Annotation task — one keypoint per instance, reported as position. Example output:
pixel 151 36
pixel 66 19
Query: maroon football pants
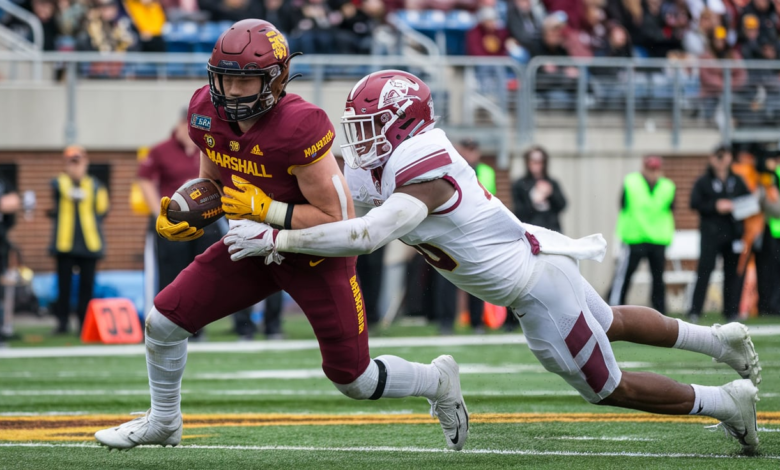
pixel 213 287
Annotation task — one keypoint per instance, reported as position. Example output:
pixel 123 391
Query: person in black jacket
pixel 712 197
pixel 537 198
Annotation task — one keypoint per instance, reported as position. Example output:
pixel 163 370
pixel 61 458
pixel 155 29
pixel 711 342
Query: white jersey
pixel 473 240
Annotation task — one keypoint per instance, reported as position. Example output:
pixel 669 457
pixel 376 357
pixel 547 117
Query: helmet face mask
pixel 383 110
pixel 366 147
pixel 250 48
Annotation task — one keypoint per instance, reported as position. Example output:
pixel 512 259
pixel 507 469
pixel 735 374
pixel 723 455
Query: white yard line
pixel 595 438
pixel 258 346
pixel 418 450
pixel 296 345
pixel 270 392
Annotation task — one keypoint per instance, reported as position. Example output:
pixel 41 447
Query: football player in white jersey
pixel 413 185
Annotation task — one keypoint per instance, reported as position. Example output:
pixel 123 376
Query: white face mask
pixel 366 147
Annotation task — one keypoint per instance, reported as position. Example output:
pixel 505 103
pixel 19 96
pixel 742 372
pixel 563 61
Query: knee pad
pixel 162 330
pixel 369 386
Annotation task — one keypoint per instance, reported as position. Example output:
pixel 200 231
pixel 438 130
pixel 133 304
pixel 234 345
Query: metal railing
pixel 492 113
pixel 740 98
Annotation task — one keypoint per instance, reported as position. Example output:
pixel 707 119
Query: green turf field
pixel 259 408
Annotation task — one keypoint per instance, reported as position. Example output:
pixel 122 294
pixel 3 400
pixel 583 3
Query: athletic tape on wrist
pixel 288 216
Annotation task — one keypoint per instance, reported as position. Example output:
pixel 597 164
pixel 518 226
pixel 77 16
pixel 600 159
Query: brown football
pixel 197 202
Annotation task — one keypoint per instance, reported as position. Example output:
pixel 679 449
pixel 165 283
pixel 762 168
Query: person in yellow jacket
pixel 80 204
pixel 148 17
pixel 646 228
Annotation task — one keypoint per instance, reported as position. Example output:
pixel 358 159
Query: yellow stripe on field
pixel 80 427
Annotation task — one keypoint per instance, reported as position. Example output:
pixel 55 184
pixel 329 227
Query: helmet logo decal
pixel 229 64
pixel 395 91
pixel 278 43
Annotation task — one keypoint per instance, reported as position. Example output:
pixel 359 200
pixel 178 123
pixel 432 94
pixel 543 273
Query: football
pixel 197 202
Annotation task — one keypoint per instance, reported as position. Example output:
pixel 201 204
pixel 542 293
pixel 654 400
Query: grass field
pixel 267 405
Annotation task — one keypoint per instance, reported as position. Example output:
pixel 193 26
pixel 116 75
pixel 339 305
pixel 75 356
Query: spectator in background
pixel 523 23
pixel 279 13
pixel 148 17
pixel 765 13
pixel 575 11
pixel 646 227
pixel 656 34
pixel 555 84
pixel 170 164
pixel 627 13
pixel 316 29
pixel 538 199
pixel 486 38
pixel 231 10
pixel 46 12
pixel 70 18
pixel 106 30
pixel 593 38
pixel 721 234
pixel 748 39
pixel 712 78
pixel 619 43
pixel 80 204
pixel 696 40
pixel 359 22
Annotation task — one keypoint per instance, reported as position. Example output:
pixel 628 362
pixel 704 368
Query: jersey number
pixel 436 257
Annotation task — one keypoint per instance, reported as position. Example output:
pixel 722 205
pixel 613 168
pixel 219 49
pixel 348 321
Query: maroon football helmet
pixel 384 109
pixel 250 48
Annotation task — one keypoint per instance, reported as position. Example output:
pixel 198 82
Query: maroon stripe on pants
pixel 595 370
pixel 578 336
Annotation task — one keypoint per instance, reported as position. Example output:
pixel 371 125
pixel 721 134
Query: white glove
pixel 252 239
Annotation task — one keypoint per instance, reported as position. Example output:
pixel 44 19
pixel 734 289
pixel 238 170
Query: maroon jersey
pixel 294 133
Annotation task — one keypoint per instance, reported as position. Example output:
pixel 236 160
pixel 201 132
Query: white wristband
pixel 276 213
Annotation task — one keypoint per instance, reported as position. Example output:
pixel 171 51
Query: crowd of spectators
pixel 312 26
pixel 521 28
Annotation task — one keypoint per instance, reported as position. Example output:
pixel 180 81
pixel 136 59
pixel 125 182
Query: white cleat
pixel 742 424
pixel 449 406
pixel 140 431
pixel 738 351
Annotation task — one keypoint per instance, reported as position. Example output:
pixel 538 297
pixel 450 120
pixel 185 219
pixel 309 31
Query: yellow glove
pixel 251 203
pixel 181 232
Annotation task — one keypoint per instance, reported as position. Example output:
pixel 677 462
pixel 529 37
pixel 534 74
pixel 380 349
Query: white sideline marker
pixel 416 450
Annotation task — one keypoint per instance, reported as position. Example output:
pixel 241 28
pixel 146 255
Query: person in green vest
pixel 646 227
pixel 768 260
pixel 80 204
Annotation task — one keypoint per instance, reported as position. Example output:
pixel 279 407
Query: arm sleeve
pixel 399 215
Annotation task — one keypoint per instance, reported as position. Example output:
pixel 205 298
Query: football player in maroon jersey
pixel 271 151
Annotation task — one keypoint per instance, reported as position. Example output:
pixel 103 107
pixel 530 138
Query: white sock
pixel 166 356
pixel 697 338
pixel 711 401
pixel 409 379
